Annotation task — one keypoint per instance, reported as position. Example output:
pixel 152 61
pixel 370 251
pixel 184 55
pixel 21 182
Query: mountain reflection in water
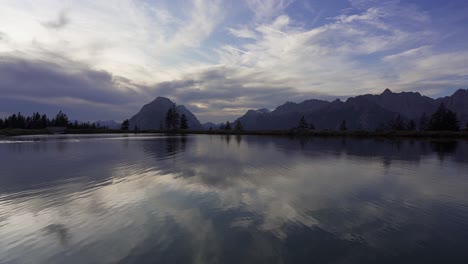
pixel 232 199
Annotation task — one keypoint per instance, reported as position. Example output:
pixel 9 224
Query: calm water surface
pixel 221 199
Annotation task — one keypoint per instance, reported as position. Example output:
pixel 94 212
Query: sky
pixel 103 60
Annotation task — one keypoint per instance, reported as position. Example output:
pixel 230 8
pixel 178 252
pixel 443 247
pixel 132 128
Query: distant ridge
pixel 209 125
pixel 110 124
pixel 152 115
pixel 363 112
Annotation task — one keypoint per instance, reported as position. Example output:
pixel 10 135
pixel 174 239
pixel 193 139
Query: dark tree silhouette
pixel 125 125
pixel 423 122
pixel 44 121
pixel 60 120
pixel 443 120
pixel 183 122
pixel 20 121
pixel 312 126
pixel 172 118
pixel 343 126
pixel 35 121
pixel 466 126
pixel 169 116
pixel 227 126
pixel 397 123
pixel 411 125
pixel 302 124
pixel 238 126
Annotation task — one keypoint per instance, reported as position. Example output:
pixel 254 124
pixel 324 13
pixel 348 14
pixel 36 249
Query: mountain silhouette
pixel 363 112
pixel 152 115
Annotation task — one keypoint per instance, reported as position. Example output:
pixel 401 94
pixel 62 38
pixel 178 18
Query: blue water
pixel 232 199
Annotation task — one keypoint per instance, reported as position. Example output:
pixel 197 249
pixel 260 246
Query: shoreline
pixel 309 133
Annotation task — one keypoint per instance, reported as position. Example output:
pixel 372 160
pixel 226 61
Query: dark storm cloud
pixel 65 84
pixel 60 22
pixel 40 79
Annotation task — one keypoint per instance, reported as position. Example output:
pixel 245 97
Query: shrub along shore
pixel 305 133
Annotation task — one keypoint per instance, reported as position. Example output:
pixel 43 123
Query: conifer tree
pixel 227 126
pixel 443 120
pixel 411 125
pixel 238 126
pixel 302 124
pixel 343 126
pixel 125 124
pixel 183 122
pixel 397 123
pixel 172 118
pixel 423 122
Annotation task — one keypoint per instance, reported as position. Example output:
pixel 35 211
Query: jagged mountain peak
pixel 461 92
pixel 387 92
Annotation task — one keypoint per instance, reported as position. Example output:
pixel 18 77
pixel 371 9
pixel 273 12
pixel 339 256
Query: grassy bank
pixel 309 133
pixel 332 133
pixel 318 133
pixel 22 132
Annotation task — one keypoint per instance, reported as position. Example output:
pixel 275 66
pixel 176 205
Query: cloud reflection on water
pixel 207 199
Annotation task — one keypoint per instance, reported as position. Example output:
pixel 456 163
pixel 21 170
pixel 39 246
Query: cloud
pixel 230 91
pixel 242 33
pixel 348 55
pixel 259 54
pixel 152 44
pixel 62 21
pixel 267 9
pixel 66 85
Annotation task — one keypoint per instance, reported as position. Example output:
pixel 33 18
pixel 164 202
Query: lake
pixel 232 199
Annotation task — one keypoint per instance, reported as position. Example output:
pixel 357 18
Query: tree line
pixel 442 119
pixel 38 121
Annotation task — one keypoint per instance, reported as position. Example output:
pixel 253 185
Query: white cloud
pixel 242 33
pixel 267 9
pixel 330 59
pixel 147 45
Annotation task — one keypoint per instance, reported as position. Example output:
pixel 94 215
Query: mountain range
pixel 366 112
pixel 363 112
pixel 209 125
